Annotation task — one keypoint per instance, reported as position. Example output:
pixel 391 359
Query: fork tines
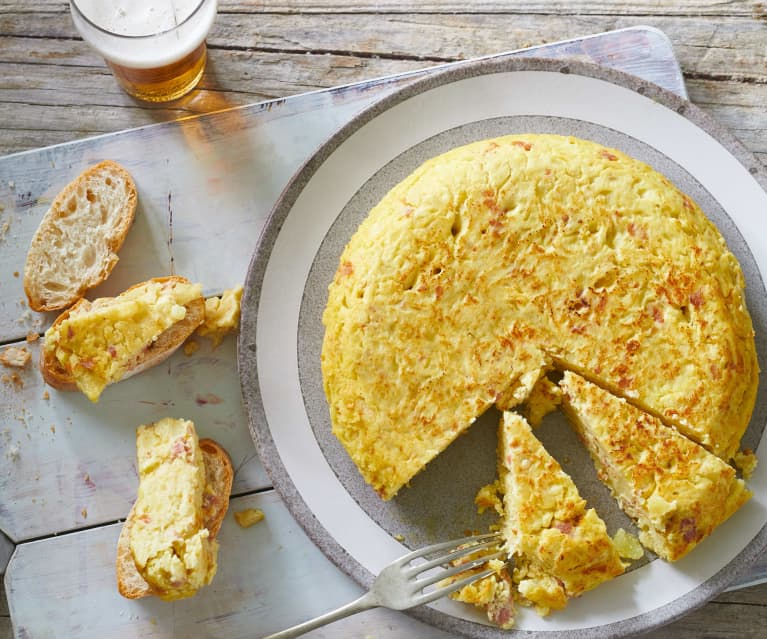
pixel 458 549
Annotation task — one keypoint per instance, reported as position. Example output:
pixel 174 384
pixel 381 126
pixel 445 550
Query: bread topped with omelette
pixel 497 260
pixel 94 344
pixel 168 546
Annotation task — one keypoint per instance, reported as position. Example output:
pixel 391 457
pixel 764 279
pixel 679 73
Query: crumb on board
pixel 14 379
pixel 210 398
pixel 246 518
pixel 32 336
pixel 399 538
pixel 25 317
pixel 84 513
pixel 46 395
pixel 15 357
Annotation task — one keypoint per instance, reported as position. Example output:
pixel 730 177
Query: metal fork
pixel 398 585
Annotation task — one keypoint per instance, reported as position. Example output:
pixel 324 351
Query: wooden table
pixel 53 89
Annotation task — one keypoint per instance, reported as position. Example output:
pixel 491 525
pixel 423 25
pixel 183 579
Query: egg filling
pixel 562 547
pixel 98 344
pixel 171 548
pixel 222 315
pixel 675 490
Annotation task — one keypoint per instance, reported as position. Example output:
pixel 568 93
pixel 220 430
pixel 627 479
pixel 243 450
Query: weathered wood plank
pixel 722 618
pixel 54 84
pixel 232 77
pixel 6 550
pixel 580 7
pixel 739 107
pixel 731 45
pixel 624 7
pixel 6 630
pixel 5 615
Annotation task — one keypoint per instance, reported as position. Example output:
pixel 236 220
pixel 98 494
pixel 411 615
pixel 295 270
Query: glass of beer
pixel 155 48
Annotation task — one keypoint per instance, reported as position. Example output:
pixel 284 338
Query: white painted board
pixel 270 576
pixel 67 463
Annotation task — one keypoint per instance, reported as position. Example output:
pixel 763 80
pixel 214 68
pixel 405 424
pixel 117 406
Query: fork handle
pixel 365 602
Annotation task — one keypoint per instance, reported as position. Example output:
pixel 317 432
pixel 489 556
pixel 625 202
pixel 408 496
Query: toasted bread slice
pixel 219 475
pixel 75 246
pixel 58 376
pixel 675 490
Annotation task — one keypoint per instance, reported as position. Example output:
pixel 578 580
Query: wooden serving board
pixel 67 466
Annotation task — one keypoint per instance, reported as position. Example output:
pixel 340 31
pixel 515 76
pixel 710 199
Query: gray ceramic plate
pixel 286 289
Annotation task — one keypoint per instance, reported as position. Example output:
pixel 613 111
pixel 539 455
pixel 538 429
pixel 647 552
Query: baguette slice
pixel 219 475
pixel 168 341
pixel 75 246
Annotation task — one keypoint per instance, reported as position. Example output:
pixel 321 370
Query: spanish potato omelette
pixel 561 546
pixel 499 259
pixel 675 490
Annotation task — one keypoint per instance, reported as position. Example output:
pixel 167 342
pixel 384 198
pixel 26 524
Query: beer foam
pixel 125 29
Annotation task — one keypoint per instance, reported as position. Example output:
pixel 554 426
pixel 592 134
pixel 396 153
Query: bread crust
pixel 163 347
pixel 219 475
pixel 115 217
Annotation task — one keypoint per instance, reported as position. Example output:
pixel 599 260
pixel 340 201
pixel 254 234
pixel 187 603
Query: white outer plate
pixel 287 281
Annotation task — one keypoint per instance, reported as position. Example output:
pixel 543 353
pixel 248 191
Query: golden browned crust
pixel 53 372
pixel 219 475
pixel 130 584
pixel 562 548
pixel 163 347
pixel 675 490
pixel 496 260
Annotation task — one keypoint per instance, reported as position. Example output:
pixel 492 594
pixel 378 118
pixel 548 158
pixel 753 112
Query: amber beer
pixel 155 48
pixel 161 84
